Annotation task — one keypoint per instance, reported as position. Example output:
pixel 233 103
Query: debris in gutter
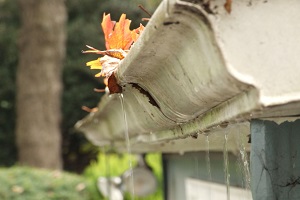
pixel 90 110
pixel 113 85
pixel 118 41
pixel 227 6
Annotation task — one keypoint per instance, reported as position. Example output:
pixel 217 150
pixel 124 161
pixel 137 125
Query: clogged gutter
pixel 118 41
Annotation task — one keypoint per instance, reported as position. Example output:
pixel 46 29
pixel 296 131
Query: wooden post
pixel 275 160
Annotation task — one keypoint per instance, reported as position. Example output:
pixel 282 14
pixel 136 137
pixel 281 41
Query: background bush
pixel 22 183
pixel 108 165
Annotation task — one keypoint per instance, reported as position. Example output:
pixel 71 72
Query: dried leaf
pixel 118 40
pixel 113 85
pixel 227 6
pixel 99 90
pixel 90 110
pixel 107 27
pixel 135 34
pixel 118 34
pixel 116 53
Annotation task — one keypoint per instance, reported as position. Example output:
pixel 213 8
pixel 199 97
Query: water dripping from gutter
pixel 197 170
pixel 226 165
pixel 207 159
pixel 128 146
pixel 107 172
pixel 244 162
pixel 167 3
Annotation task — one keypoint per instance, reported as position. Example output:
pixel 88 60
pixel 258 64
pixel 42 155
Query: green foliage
pixel 21 183
pixel 117 164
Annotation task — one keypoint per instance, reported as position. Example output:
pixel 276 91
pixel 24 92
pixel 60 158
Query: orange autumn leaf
pixel 136 32
pixel 118 34
pixel 118 40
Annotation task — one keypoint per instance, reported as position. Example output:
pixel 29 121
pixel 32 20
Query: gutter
pixel 198 70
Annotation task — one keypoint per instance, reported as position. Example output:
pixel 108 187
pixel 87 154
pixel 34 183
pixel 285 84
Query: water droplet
pixel 207 158
pixel 126 134
pixel 226 166
pixel 243 160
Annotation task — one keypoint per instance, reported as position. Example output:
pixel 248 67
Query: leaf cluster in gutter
pixel 118 41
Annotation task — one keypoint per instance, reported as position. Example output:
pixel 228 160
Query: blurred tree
pixel 39 85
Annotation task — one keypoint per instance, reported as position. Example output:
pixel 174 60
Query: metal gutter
pixel 196 69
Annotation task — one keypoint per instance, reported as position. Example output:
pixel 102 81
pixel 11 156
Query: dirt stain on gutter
pixel 147 94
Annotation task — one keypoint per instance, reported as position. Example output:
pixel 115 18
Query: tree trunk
pixel 39 84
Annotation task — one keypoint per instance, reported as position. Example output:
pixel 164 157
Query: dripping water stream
pixel 208 167
pixel 126 134
pixel 167 3
pixel 207 158
pixel 107 172
pixel 244 162
pixel 226 166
